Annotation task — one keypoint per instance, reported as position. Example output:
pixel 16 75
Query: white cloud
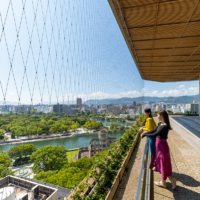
pixel 181 86
pixel 102 95
pixel 131 94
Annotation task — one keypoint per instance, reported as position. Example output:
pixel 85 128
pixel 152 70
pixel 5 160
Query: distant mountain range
pixel 44 103
pixel 126 100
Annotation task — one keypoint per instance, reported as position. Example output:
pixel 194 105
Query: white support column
pixel 199 95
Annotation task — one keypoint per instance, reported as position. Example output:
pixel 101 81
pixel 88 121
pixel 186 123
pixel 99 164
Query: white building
pixel 44 109
pixel 176 110
pixel 184 110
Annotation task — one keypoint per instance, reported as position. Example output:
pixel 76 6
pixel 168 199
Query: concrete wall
pixel 191 138
pixel 54 196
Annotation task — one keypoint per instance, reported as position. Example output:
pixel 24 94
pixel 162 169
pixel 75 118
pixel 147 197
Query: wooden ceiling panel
pixel 163 37
pixel 131 3
pixel 153 64
pixel 143 44
pixel 189 42
pixel 178 58
pixel 191 63
pixel 140 16
pixel 169 31
pixel 175 11
pixel 196 14
pixel 165 43
pixel 145 33
pixel 162 32
pixel 183 51
pixel 185 67
pixel 156 52
pixel 197 52
pixel 194 58
pixel 152 59
pixel 144 52
pixel 192 29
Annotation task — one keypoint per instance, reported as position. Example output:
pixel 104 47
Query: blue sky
pixel 77 50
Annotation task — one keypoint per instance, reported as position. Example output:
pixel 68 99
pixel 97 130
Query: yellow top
pixel 149 125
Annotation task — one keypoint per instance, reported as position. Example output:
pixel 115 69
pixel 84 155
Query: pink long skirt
pixel 161 158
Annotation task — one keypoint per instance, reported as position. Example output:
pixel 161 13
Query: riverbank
pixel 46 138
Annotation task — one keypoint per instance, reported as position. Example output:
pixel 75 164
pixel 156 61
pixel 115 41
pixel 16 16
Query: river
pixel 68 143
pixel 121 123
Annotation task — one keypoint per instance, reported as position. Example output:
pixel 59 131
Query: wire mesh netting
pixel 57 51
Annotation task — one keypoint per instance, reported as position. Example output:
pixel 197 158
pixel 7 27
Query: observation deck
pixel 185 165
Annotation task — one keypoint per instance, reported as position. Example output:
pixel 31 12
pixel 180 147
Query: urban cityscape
pixel 134 109
pixel 100 100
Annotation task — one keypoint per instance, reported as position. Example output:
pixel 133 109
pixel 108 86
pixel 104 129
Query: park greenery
pixel 51 163
pixel 73 173
pixel 116 127
pixel 49 158
pixel 20 153
pixel 108 165
pixel 4 164
pixel 27 125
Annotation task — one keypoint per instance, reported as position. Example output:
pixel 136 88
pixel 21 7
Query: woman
pixel 161 157
pixel 149 125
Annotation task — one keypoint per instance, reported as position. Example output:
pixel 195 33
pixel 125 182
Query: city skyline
pixel 94 64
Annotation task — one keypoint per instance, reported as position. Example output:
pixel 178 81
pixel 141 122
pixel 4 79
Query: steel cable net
pixel 57 51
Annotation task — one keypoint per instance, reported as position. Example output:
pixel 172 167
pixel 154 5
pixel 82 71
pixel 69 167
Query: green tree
pixel 2 134
pixel 4 171
pixel 49 158
pixel 65 178
pixel 2 131
pixel 15 152
pixel 5 159
pixel 28 149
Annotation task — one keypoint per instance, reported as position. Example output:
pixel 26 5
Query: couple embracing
pixel 157 137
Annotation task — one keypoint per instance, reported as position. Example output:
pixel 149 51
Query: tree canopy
pixel 22 150
pixel 49 158
pixel 71 174
pixel 5 159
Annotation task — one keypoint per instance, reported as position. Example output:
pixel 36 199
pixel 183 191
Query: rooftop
pixel 21 187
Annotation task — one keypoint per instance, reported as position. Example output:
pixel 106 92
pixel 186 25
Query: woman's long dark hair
pixel 148 110
pixel 165 116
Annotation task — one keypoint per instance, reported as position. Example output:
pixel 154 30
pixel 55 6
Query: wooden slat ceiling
pixel 163 37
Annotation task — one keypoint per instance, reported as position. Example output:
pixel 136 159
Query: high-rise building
pixel 79 102
pixel 58 108
pixel 193 107
pixel 134 103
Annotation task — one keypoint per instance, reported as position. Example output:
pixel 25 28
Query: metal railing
pixel 145 185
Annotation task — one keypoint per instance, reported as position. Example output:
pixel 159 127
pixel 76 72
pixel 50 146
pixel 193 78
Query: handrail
pixel 141 171
pixel 145 185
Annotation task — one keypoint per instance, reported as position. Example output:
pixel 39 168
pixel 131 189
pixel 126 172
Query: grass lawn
pixel 71 154
pixel 131 122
